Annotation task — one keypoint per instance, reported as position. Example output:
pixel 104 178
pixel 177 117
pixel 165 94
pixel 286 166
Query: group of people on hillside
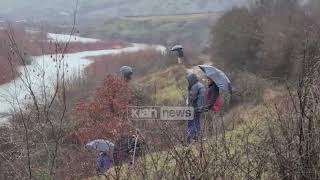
pixel 202 98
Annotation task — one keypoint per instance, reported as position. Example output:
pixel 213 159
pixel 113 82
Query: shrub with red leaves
pixel 105 116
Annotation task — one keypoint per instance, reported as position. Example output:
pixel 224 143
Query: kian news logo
pixel 164 113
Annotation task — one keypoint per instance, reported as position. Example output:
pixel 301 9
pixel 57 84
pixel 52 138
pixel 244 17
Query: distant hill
pixel 56 9
pixel 155 7
pixel 191 30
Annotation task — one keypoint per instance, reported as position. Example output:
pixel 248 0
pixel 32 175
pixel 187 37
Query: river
pixel 41 73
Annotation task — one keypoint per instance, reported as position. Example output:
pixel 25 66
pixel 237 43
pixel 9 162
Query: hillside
pixel 189 29
pixel 53 10
pixel 154 7
pixel 205 158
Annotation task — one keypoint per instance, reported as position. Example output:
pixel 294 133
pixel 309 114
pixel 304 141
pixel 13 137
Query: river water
pixel 41 74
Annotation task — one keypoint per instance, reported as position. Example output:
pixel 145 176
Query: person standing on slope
pixel 213 97
pixel 196 99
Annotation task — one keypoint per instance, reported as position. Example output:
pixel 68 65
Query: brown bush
pixel 105 116
pixel 265 38
pixel 249 88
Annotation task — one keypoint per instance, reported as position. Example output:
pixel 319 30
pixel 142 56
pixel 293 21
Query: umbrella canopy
pixel 126 70
pixel 218 77
pixel 101 145
pixel 179 49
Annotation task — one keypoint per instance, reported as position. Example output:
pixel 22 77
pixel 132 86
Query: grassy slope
pixel 245 118
pixel 169 85
pixel 253 118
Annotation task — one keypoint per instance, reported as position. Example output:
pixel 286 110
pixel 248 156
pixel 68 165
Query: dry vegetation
pixel 271 131
pixel 7 56
pixel 36 44
pixel 143 62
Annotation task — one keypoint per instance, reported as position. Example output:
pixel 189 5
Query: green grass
pixel 168 87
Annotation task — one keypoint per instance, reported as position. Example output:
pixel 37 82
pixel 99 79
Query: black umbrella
pixel 218 77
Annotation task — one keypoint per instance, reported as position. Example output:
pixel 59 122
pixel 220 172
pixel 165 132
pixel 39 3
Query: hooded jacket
pixel 196 93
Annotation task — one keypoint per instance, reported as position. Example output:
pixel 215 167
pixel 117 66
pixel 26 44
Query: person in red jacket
pixel 213 105
pixel 213 97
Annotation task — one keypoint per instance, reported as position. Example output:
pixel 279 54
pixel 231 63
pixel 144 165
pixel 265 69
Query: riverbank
pixel 31 43
pixel 41 74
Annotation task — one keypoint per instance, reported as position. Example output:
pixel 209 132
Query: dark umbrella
pixel 179 49
pixel 126 71
pixel 218 77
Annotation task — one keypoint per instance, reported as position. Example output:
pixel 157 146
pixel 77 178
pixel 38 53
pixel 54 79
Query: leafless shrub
pixel 38 123
pixel 294 131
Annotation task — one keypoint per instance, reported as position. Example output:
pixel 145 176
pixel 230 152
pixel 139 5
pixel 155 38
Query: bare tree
pixel 38 120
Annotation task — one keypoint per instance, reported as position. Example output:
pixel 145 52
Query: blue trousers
pixel 194 128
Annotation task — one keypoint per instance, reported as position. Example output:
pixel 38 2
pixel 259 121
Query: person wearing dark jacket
pixel 196 99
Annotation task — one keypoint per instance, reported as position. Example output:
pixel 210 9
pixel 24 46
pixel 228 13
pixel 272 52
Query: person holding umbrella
pixel 213 97
pixel 105 150
pixel 218 83
pixel 182 59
